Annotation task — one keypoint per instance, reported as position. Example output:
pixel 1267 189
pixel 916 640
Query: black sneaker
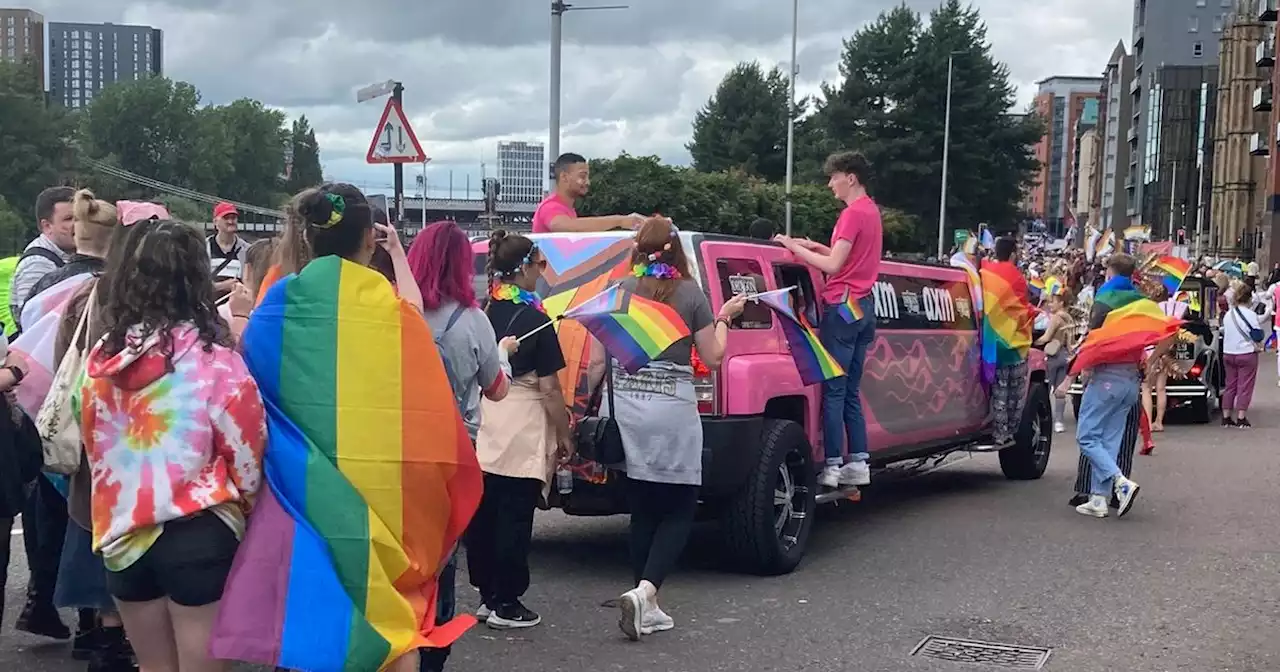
pixel 1243 423
pixel 1078 500
pixel 42 620
pixel 1228 422
pixel 85 643
pixel 512 616
pixel 114 655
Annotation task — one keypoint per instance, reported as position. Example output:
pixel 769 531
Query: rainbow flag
pixel 1132 324
pixel 1035 290
pixel 1173 269
pixel 371 480
pixel 633 329
pixel 850 310
pixel 813 361
pixel 1053 285
pixel 1006 320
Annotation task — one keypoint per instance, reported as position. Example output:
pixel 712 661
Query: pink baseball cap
pixel 132 212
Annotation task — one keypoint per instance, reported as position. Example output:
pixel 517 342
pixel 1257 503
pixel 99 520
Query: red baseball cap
pixel 223 209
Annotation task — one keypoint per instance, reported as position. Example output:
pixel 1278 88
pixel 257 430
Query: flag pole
pixel 567 312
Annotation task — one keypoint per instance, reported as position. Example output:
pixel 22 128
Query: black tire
pixel 756 538
pixel 1028 458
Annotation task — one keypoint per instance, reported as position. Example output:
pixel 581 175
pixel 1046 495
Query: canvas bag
pixel 56 424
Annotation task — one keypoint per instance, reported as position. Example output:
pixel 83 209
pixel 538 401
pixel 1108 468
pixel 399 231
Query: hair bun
pixel 84 205
pixel 497 236
pixel 315 207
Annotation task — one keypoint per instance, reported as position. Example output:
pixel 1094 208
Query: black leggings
pixel 661 518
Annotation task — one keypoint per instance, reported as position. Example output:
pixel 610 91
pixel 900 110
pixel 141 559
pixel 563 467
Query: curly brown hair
pixel 157 278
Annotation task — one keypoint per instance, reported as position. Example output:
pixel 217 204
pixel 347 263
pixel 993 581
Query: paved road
pixel 1185 582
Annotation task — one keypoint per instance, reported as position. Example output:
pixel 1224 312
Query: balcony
pixel 1133 134
pixel 1264 55
pixel 1135 85
pixel 1262 98
pixel 1267 10
pixel 1258 145
pixel 1139 34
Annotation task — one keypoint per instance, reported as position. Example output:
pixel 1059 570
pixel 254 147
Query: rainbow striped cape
pixel 1006 317
pixel 1133 322
pixel 371 480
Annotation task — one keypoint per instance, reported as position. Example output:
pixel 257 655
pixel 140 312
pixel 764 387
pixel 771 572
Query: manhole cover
pixel 1008 656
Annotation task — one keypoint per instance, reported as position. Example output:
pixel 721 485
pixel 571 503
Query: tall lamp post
pixel 946 156
pixel 791 109
pixel 558 8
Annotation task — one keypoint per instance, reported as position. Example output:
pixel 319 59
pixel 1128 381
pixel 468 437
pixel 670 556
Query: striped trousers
pixel 1084 472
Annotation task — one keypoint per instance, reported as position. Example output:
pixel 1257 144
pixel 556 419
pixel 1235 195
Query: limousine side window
pixel 798 276
pixel 743 276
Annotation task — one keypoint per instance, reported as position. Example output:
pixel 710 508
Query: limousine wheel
pixel 766 525
pixel 1029 456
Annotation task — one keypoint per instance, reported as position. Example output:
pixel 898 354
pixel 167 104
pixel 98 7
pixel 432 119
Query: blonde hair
pixel 95 220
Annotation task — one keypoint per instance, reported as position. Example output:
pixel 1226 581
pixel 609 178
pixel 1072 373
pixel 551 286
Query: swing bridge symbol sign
pixel 393 139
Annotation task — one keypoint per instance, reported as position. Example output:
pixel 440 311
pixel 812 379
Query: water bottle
pixel 564 480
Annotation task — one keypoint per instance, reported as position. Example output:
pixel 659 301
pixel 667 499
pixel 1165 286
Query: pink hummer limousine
pixel 921 391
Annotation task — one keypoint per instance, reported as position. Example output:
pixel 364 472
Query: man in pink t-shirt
pixel 555 214
pixel 852 264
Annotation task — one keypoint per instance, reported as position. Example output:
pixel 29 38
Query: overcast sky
pixel 476 71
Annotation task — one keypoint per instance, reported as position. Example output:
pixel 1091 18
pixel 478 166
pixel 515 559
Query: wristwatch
pixel 18 375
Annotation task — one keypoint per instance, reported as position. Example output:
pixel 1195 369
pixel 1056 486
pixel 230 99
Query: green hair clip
pixel 339 206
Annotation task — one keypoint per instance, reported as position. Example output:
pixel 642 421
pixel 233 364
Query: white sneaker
pixel 1126 492
pixel 654 620
pixel 830 477
pixel 1096 507
pixel 482 612
pixel 1059 428
pixel 855 473
pixel 632 607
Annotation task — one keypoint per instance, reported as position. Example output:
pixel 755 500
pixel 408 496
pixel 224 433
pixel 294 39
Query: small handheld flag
pixel 813 361
pixel 633 329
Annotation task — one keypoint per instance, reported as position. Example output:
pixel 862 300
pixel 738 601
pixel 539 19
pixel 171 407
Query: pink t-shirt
pixel 550 208
pixel 860 225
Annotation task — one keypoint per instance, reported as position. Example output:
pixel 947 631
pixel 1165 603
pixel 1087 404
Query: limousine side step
pixel 849 493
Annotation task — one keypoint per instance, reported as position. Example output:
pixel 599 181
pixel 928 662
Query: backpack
pixel 460 400
pixel 11 327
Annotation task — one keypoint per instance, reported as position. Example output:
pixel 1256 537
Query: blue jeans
pixel 1110 395
pixel 842 417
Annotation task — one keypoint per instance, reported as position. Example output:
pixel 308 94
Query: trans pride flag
pixel 633 329
pixel 41 317
pixel 371 480
pixel 1132 324
pixel 813 361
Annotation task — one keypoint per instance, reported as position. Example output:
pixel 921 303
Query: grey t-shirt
pixel 471 350
pixel 692 305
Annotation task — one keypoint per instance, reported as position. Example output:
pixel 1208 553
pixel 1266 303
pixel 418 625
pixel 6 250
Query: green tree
pixel 306 171
pixel 33 140
pixel 744 124
pixel 254 139
pixel 890 104
pixel 14 233
pixel 149 127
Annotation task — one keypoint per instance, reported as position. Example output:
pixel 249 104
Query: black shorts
pixel 188 564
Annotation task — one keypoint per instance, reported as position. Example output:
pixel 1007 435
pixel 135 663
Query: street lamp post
pixel 791 109
pixel 946 156
pixel 558 8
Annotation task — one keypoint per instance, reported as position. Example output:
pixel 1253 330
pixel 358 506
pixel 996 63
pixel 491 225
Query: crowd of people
pixel 144 377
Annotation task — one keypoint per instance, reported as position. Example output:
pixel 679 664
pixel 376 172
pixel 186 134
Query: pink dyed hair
pixel 441 260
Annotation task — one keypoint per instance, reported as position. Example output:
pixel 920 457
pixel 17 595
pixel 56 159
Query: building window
pixel 1201 3
pixel 1197 49
pixel 1217 24
pixel 1193 24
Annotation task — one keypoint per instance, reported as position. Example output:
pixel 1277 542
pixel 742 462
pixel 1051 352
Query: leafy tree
pixel 14 233
pixel 33 140
pixel 149 127
pixel 254 138
pixel 306 171
pixel 744 124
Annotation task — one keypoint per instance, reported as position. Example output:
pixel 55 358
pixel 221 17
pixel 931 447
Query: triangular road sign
pixel 393 139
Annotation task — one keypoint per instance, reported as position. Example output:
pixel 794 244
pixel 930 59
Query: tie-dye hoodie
pixel 168 437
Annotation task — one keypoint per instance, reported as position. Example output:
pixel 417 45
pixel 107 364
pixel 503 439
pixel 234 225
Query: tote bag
pixel 56 424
